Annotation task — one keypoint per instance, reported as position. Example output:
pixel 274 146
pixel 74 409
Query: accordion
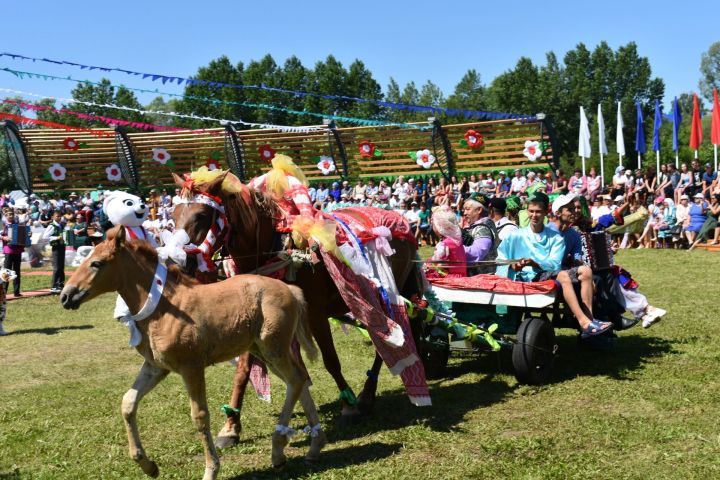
pixel 19 235
pixel 597 250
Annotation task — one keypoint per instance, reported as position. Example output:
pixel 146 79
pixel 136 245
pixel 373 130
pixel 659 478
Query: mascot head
pixel 125 209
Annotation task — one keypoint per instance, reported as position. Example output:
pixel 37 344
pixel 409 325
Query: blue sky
pixel 415 41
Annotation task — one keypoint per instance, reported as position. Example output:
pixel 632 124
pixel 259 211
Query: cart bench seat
pixel 494 290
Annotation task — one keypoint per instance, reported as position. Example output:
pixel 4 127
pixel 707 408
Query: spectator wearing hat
pixel 502 184
pixel 335 191
pixel 13 253
pixel 696 218
pixel 618 182
pixel 480 237
pixel 710 227
pixel 411 214
pixel 503 224
pixel 347 190
pixel 682 210
pixel 541 252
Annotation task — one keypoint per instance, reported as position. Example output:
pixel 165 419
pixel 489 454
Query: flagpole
pixel 657 172
pixel 715 148
pixel 639 160
pixel 620 160
pixel 602 166
pixel 677 160
pixel 583 165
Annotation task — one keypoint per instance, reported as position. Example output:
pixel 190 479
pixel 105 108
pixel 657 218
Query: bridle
pixel 218 228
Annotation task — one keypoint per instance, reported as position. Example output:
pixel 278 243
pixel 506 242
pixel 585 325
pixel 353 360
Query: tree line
pixel 583 77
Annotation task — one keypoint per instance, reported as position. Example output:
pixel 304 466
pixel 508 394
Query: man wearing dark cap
pixel 504 225
pixel 708 178
pixel 538 253
pixel 480 237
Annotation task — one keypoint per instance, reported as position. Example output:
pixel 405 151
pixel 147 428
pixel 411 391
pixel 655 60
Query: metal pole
pixel 583 165
pixel 639 160
pixel 677 160
pixel 657 161
pixel 602 169
pixel 715 148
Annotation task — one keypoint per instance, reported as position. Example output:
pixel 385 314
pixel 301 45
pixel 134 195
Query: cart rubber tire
pixel 533 366
pixel 434 360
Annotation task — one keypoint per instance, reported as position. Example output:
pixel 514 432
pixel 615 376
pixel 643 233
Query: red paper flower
pixel 71 144
pixel 266 153
pixel 367 148
pixel 474 139
pixel 212 164
pixel 113 173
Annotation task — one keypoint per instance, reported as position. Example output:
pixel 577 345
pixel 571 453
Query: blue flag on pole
pixel 677 120
pixel 656 126
pixel 640 146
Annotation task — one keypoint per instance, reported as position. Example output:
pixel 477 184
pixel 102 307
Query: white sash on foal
pixel 122 312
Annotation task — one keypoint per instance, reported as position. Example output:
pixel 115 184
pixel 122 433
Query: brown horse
pixel 190 326
pixel 252 216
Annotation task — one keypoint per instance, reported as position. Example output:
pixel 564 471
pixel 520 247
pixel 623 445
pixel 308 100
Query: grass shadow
pixel 451 402
pixel 628 353
pixel 329 460
pixel 49 330
pixel 14 475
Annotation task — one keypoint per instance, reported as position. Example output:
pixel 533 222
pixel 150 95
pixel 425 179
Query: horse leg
pixel 147 378
pixel 320 328
pixel 317 437
pixel 295 378
pixel 230 433
pixel 366 399
pixel 195 385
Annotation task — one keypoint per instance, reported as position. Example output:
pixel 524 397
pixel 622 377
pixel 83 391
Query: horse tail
pixel 304 335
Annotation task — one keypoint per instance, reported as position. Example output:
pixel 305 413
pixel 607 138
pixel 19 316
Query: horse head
pixel 103 271
pixel 194 217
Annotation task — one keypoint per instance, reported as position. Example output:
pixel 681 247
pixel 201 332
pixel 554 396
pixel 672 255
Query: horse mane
pixel 146 250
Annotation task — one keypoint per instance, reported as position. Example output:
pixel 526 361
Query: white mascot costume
pixel 130 212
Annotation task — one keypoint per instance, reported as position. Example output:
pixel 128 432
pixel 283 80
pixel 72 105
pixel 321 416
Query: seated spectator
pixel 371 190
pixel 696 218
pixel 480 237
pixel 685 183
pixel 594 184
pixel 577 183
pixel 708 180
pixel 449 256
pixel 359 191
pixel 502 185
pixel 347 190
pixel 335 191
pixel 517 185
pixel 424 230
pixel 411 214
pixel 541 251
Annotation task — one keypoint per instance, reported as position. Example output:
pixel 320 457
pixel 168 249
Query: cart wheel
pixel 434 353
pixel 534 352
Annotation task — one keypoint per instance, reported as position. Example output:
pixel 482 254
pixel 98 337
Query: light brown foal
pixel 193 326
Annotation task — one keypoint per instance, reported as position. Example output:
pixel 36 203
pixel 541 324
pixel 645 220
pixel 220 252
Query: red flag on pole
pixel 696 128
pixel 715 129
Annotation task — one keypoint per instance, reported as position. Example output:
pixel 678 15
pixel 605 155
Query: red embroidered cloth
pixel 362 220
pixel 495 284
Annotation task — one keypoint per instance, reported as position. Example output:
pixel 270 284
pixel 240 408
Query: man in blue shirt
pixel 708 177
pixel 540 253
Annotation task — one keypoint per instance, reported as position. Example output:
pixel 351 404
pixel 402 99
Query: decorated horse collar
pixel 206 199
pixel 153 299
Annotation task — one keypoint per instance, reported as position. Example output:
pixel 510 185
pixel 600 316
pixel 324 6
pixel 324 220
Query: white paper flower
pixel 532 150
pixel 326 165
pixel 113 173
pixel 57 172
pixel 161 155
pixel 424 158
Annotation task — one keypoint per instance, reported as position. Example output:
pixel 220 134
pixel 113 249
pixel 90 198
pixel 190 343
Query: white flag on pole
pixel 620 140
pixel 601 132
pixel 584 149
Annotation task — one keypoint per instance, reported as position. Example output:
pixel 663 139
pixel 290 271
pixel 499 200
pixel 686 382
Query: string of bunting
pixel 283 128
pixel 191 81
pixel 19 119
pixel 263 106
pixel 107 120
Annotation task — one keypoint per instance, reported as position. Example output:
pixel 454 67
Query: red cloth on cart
pixel 493 283
pixel 362 220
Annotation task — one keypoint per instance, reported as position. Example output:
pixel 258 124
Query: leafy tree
pixel 328 78
pixel 294 76
pixel 264 73
pixel 158 104
pixel 710 70
pixel 219 70
pixel 361 84
pixel 469 93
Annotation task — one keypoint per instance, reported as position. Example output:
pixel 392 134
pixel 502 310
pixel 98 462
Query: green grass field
pixel 647 409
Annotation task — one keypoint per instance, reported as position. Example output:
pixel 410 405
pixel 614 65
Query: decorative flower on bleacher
pixel 367 148
pixel 113 173
pixel 71 144
pixel 532 150
pixel 267 153
pixel 474 139
pixel 326 165
pixel 57 172
pixel 212 164
pixel 161 155
pixel 424 158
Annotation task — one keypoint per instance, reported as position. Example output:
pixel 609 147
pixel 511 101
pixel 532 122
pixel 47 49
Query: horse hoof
pixel 150 468
pixel 350 419
pixel 365 404
pixel 227 441
pixel 316 445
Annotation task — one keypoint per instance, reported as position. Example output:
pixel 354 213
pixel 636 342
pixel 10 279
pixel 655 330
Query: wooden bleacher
pixel 239 151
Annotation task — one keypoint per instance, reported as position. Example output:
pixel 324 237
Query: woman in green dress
pixel 80 232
